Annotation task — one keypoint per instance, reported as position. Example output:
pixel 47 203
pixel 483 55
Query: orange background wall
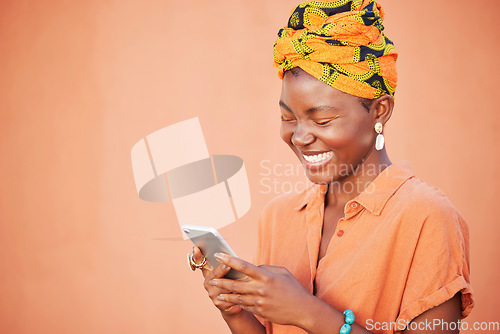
pixel 82 81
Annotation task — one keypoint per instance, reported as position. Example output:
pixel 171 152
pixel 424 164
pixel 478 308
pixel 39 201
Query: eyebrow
pixel 308 111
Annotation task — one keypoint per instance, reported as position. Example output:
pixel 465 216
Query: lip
pixel 316 164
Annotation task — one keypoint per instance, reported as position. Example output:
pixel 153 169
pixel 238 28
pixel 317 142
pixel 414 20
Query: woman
pixel 368 236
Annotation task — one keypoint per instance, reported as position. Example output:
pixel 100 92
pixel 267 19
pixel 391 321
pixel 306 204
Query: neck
pixel 343 190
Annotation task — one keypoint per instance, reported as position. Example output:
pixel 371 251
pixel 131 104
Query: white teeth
pixel 318 157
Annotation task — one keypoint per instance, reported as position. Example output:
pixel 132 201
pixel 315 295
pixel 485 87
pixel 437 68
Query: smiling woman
pixel 368 241
pixel 313 110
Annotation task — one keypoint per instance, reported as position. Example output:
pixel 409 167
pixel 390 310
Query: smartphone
pixel 209 241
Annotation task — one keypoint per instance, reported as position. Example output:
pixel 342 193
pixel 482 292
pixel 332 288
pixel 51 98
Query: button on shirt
pixel 401 249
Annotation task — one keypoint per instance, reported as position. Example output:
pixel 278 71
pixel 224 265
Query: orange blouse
pixel 401 248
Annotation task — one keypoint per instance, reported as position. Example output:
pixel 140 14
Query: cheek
pixel 336 138
pixel 347 137
pixel 365 134
pixel 286 132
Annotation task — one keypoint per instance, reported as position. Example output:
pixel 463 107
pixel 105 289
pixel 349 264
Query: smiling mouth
pixel 318 158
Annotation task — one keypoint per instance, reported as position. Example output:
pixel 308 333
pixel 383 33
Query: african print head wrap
pixel 342 44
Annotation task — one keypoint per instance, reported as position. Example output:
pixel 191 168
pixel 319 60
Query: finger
pixel 232 310
pixel 222 305
pixel 214 292
pixel 234 286
pixel 241 265
pixel 244 301
pixel 220 271
pixel 273 269
pixel 197 254
pixel 251 309
pixel 198 258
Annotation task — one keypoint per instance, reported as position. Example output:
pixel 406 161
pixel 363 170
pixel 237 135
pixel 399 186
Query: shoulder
pixel 426 198
pixel 427 206
pixel 436 237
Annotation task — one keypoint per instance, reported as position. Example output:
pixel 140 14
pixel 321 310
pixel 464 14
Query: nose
pixel 302 135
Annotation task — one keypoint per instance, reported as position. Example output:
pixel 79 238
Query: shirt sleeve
pixel 440 264
pixel 260 255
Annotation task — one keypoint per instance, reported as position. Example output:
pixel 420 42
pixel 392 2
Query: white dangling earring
pixel 379 143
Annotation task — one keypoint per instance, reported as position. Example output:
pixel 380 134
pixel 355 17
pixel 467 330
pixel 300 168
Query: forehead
pixel 302 90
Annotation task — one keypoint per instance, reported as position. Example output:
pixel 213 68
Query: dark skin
pixel 317 120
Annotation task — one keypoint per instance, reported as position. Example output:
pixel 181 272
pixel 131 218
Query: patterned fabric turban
pixel 342 44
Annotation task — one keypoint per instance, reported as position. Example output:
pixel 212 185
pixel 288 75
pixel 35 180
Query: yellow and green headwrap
pixel 342 44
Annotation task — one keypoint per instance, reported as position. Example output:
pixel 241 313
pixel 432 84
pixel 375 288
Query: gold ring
pixel 193 265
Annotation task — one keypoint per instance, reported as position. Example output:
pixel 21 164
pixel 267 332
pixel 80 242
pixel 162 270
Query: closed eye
pixel 286 119
pixel 325 122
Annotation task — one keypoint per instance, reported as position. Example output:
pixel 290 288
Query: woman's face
pixel 329 131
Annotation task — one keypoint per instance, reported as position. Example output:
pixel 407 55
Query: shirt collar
pixel 376 194
pixel 313 193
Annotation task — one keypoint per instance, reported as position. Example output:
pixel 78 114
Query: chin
pixel 321 178
pixel 326 175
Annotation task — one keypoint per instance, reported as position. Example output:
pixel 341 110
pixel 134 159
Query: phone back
pixel 209 241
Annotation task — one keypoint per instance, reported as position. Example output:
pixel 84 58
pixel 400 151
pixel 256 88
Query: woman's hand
pixel 269 292
pixel 226 308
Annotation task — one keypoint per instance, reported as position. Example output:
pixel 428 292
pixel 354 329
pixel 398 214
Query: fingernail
pixel 212 282
pixel 219 297
pixel 220 256
pixel 224 267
